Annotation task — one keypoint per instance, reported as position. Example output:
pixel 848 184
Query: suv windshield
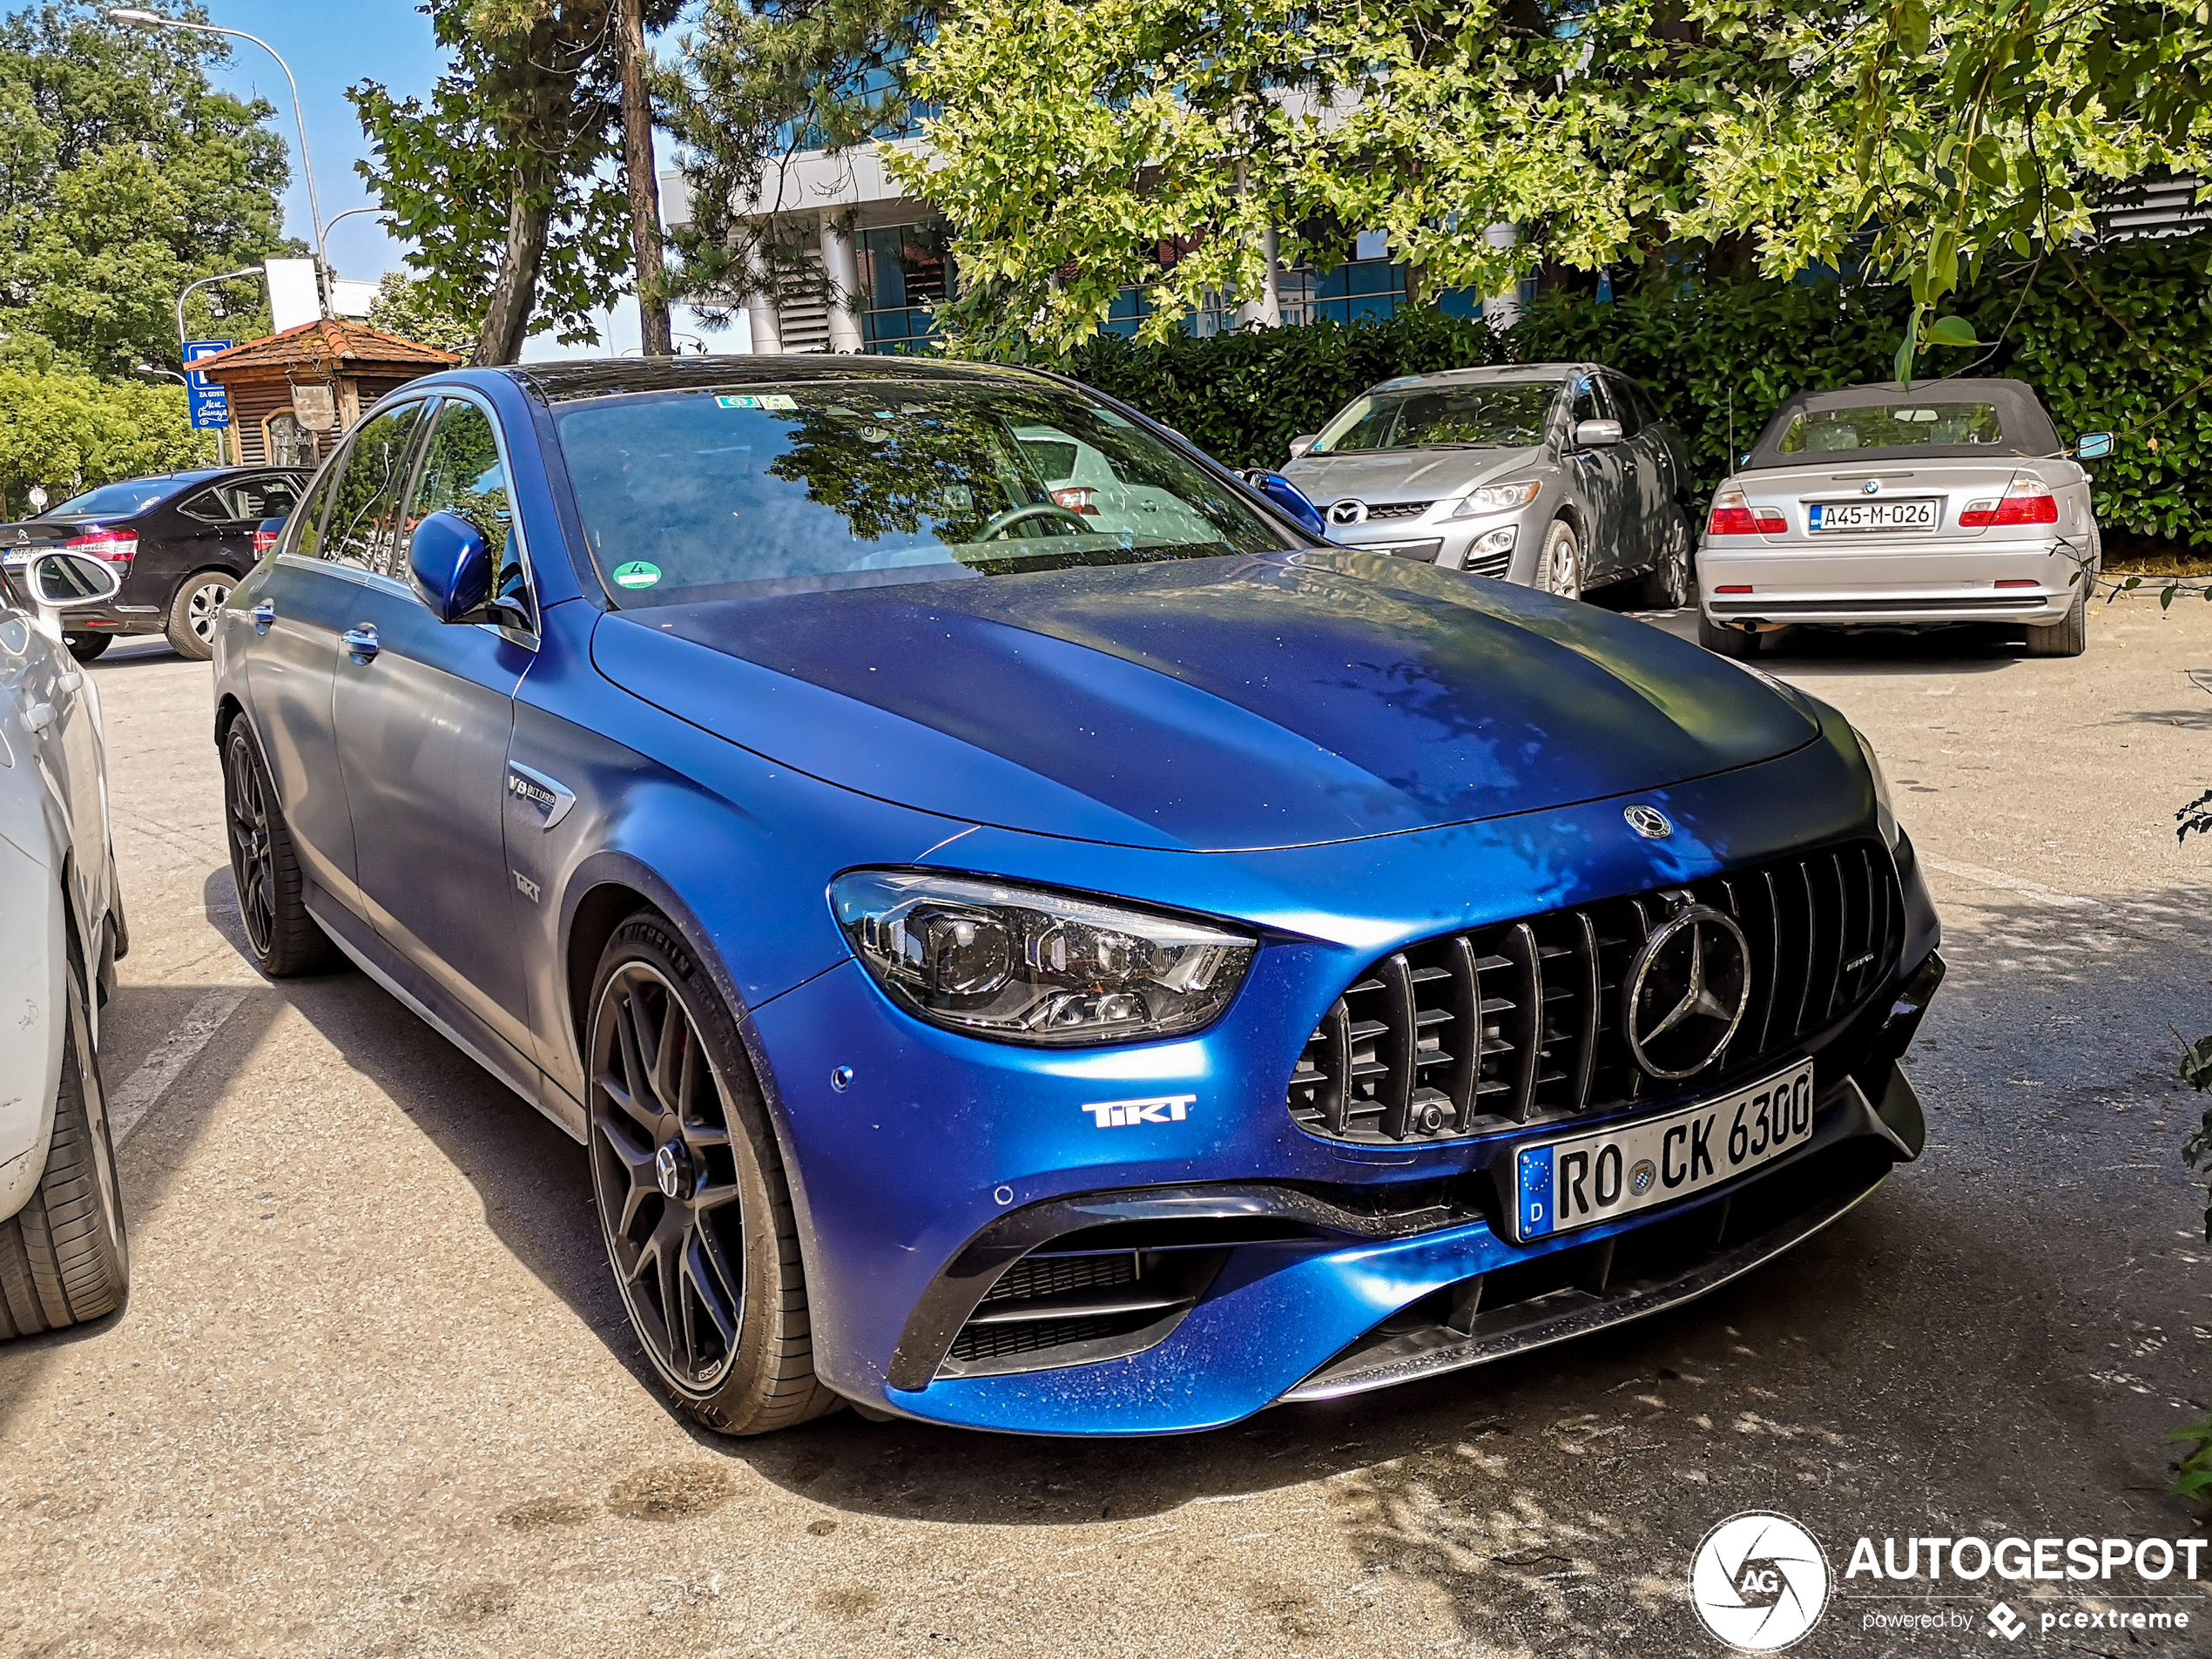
pixel 695 495
pixel 1902 425
pixel 116 501
pixel 1509 415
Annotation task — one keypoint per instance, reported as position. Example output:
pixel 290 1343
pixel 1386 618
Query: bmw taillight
pixel 114 547
pixel 1733 515
pixel 2027 501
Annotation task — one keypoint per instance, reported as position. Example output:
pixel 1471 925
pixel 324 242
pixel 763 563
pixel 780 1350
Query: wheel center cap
pixel 673 1170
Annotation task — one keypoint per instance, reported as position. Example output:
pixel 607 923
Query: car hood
pixel 1406 475
pixel 1206 705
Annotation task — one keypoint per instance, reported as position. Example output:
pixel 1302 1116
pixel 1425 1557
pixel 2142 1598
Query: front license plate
pixel 1872 514
pixel 1562 1185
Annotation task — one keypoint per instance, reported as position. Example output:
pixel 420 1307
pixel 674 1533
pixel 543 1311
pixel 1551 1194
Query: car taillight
pixel 1733 515
pixel 2027 501
pixel 264 540
pixel 1078 500
pixel 116 547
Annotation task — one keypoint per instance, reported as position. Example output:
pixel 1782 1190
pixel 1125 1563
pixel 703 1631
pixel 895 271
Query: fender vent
pixel 1482 1031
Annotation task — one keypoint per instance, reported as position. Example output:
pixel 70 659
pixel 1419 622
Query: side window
pixel 208 506
pixel 463 473
pixel 243 500
pixel 359 530
pixel 1628 408
pixel 1589 403
pixel 307 540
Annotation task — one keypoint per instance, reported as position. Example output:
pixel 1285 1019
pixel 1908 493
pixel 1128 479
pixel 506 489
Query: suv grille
pixel 1480 1031
pixel 1398 509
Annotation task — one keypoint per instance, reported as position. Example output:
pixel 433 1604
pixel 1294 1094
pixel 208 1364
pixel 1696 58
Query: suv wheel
pixel 192 613
pixel 1559 562
pixel 692 1202
pixel 1668 584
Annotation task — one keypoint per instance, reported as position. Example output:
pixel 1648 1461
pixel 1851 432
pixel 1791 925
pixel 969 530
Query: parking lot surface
pixel 374 1391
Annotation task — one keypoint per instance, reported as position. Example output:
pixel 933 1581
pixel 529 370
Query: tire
pixel 192 611
pixel 2066 638
pixel 1738 644
pixel 86 647
pixel 1668 585
pixel 265 868
pixel 1559 561
pixel 684 1164
pixel 65 1256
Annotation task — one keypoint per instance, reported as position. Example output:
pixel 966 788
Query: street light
pixel 138 18
pixel 227 276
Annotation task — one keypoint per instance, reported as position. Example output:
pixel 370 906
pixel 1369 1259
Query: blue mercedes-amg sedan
pixel 1029 937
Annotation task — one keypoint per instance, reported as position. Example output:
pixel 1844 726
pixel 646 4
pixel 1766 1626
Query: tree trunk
pixel 644 186
pixel 514 291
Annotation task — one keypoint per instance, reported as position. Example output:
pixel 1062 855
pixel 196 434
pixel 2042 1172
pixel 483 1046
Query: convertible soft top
pixel 2027 424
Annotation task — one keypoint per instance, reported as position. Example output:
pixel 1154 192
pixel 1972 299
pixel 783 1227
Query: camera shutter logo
pixel 1759 1581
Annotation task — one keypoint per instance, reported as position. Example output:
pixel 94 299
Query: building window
pixel 284 442
pixel 1361 288
pixel 905 271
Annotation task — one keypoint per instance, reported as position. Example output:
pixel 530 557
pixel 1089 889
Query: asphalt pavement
pixel 374 1393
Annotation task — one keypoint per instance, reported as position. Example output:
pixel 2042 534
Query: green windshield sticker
pixel 637 574
pixel 763 400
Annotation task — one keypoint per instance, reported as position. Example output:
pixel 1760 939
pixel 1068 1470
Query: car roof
pixel 1498 373
pixel 564 382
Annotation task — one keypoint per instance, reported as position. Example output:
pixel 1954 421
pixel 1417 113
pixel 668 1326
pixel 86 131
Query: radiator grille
pixel 1398 509
pixel 1480 1031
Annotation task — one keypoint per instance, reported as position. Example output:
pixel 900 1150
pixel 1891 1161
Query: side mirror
pixel 2092 446
pixel 1288 496
pixel 1300 444
pixel 449 567
pixel 62 581
pixel 1595 435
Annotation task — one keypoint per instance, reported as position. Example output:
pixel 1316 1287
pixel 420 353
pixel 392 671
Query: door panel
pixel 290 679
pixel 1605 475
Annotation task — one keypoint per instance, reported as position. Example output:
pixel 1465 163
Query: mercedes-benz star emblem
pixel 668 1169
pixel 1686 992
pixel 1648 822
pixel 1871 487
pixel 1348 512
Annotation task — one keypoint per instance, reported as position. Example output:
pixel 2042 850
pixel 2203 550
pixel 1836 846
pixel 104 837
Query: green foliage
pixel 404 306
pixel 64 428
pixel 123 176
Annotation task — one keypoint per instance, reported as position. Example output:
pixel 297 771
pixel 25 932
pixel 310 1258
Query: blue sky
pixel 330 47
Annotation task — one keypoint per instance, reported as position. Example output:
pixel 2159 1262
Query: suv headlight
pixel 1497 498
pixel 1885 813
pixel 1022 965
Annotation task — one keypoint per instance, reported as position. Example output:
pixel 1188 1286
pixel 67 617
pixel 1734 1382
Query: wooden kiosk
pixel 292 393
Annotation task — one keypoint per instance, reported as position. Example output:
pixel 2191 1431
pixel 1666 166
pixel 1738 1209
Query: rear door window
pixel 359 531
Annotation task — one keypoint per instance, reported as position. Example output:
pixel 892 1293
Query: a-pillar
pixel 844 274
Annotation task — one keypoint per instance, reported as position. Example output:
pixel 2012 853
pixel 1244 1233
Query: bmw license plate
pixel 1909 515
pixel 1559 1186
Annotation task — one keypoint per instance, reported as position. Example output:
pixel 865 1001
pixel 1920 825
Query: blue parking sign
pixel 211 405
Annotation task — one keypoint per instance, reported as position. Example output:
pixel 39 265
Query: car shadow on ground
pixel 1960 648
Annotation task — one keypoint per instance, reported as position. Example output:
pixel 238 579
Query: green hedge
pixel 2126 347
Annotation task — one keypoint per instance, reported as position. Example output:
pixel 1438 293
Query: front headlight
pixel 1885 814
pixel 1497 498
pixel 1026 965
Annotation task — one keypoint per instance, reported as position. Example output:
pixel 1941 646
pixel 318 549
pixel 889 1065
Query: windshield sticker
pixel 762 400
pixel 637 574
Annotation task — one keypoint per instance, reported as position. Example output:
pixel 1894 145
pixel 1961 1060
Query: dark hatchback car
pixel 180 541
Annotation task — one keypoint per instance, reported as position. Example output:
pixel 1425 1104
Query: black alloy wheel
pixel 666 1175
pixel 284 938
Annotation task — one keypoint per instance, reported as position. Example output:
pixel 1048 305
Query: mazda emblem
pixel 1648 822
pixel 1686 992
pixel 1348 512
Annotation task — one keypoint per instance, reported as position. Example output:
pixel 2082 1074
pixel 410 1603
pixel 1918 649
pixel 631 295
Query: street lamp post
pixel 226 276
pixel 137 17
pixel 171 374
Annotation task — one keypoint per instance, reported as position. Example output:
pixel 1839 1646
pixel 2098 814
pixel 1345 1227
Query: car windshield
pixel 1903 425
pixel 688 495
pixel 115 500
pixel 1510 415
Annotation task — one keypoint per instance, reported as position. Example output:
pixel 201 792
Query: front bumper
pixel 1890 581
pixel 1492 545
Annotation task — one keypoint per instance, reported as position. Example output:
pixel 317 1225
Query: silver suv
pixel 1557 476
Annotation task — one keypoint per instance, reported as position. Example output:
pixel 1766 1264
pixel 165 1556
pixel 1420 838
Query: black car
pixel 179 541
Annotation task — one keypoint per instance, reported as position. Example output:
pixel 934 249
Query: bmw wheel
pixel 265 868
pixel 1739 643
pixel 1558 565
pixel 690 1186
pixel 192 613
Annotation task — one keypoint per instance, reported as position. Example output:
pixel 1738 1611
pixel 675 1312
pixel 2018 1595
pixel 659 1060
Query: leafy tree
pixel 404 306
pixel 760 81
pixel 505 178
pixel 124 175
pixel 68 430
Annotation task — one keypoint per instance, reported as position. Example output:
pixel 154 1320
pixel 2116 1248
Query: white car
pixel 1881 506
pixel 63 1256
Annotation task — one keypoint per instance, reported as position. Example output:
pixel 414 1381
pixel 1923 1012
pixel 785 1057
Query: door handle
pixel 263 615
pixel 37 717
pixel 361 643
